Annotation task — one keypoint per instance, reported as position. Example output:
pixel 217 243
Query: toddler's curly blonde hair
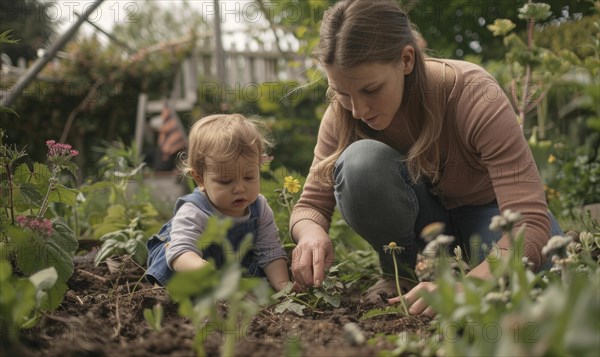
pixel 223 137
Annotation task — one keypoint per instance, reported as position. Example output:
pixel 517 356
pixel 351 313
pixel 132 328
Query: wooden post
pixel 219 53
pixel 140 123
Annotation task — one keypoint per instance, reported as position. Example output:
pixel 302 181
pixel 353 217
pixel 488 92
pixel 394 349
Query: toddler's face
pixel 232 185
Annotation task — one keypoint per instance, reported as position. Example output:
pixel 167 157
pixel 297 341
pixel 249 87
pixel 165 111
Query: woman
pixel 407 141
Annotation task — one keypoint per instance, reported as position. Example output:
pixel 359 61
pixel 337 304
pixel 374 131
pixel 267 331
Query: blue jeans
pixel 377 198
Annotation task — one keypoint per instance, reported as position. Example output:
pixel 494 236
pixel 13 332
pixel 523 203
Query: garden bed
pixel 102 315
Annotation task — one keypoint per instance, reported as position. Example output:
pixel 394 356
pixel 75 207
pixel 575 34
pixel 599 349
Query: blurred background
pixel 134 65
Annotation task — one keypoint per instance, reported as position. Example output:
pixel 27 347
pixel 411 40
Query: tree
pixel 150 23
pixel 457 28
pixel 30 23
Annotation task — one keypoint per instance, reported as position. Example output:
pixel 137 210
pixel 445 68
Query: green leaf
pixel 388 310
pixel 24 299
pixel 154 316
pixel 71 167
pixel 229 282
pixel 300 31
pixel 115 220
pixel 501 27
pixel 283 292
pixel 35 253
pixel 5 270
pixel 6 37
pixel 44 279
pixel 141 252
pixel 535 11
pixel 6 250
pixel 290 305
pixel 336 268
pixel 14 234
pixel 64 195
pixel 108 249
pixel 192 283
pixel 64 237
pixel 30 195
pixel 97 186
pixel 149 317
pixel 8 110
pixel 333 300
pixel 216 232
pixel 21 174
pixel 569 56
pixel 54 296
pixel 49 293
pixel 41 174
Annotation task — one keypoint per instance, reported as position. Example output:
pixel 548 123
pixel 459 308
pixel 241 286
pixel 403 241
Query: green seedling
pixel 154 317
pixel 394 249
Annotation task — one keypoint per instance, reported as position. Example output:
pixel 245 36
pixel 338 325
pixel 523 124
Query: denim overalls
pixel 158 270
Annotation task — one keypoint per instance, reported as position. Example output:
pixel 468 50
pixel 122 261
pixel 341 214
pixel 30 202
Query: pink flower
pixel 21 220
pixel 42 226
pixel 57 150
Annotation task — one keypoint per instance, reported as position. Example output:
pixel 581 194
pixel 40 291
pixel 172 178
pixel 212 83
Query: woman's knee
pixel 371 193
pixel 365 155
pixel 368 166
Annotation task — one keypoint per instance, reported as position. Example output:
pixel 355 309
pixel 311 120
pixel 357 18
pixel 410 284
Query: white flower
pixel 586 238
pixel 497 296
pixel 555 269
pixel 498 223
pixel 444 240
pixel 555 243
pixel 573 249
pixel 458 253
pixel 511 216
pixel 560 262
pixel 431 249
pixel 526 262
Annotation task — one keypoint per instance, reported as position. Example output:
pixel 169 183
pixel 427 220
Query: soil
pixel 102 315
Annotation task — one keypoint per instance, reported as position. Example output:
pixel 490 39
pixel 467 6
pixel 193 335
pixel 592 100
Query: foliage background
pixel 454 29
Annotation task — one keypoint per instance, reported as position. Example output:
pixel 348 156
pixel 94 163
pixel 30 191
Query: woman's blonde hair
pixel 376 31
pixel 223 137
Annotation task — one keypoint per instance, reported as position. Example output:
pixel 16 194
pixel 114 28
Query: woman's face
pixel 371 91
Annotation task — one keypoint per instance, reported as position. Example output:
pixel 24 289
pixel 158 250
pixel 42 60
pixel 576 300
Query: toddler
pixel 224 158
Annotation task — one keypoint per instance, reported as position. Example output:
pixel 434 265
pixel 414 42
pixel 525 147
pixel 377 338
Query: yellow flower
pixel 291 184
pixel 551 158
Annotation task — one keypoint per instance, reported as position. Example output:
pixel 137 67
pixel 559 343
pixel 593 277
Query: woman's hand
pixel 312 256
pixel 413 298
pixel 418 305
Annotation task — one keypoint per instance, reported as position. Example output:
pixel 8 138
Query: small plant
pixel 200 292
pixel 286 197
pixel 20 300
pixel 529 313
pixel 394 249
pixel 32 238
pixel 119 198
pixel 291 186
pixel 533 69
pixel 128 241
pixel 154 317
pixel 328 295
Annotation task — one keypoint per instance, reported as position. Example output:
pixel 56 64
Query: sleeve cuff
pixel 311 215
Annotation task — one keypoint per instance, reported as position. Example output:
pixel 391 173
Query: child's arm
pixel 182 252
pixel 188 261
pixel 277 273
